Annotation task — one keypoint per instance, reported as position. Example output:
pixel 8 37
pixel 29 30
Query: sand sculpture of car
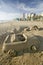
pixel 20 42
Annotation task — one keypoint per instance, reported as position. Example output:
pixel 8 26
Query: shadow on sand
pixel 40 49
pixel 40 29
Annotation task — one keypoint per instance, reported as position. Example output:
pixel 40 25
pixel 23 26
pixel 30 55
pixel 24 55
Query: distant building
pixel 23 16
pixel 30 16
pixel 41 14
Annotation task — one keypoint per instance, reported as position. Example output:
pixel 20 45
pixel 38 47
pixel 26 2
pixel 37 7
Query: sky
pixel 10 9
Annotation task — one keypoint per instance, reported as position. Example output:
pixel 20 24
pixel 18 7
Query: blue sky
pixel 10 9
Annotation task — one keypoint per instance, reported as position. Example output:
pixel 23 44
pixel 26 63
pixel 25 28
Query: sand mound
pixel 25 59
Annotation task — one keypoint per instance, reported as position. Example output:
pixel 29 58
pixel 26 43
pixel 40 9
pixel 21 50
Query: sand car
pixel 16 42
pixel 21 42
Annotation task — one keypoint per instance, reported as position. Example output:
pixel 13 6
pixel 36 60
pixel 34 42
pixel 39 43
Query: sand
pixel 24 58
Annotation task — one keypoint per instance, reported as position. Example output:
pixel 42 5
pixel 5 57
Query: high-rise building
pixel 23 16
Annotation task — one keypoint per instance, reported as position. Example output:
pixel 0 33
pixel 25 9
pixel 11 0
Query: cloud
pixel 11 10
pixel 5 7
pixel 8 11
pixel 37 9
pixel 18 7
pixel 8 16
pixel 0 6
